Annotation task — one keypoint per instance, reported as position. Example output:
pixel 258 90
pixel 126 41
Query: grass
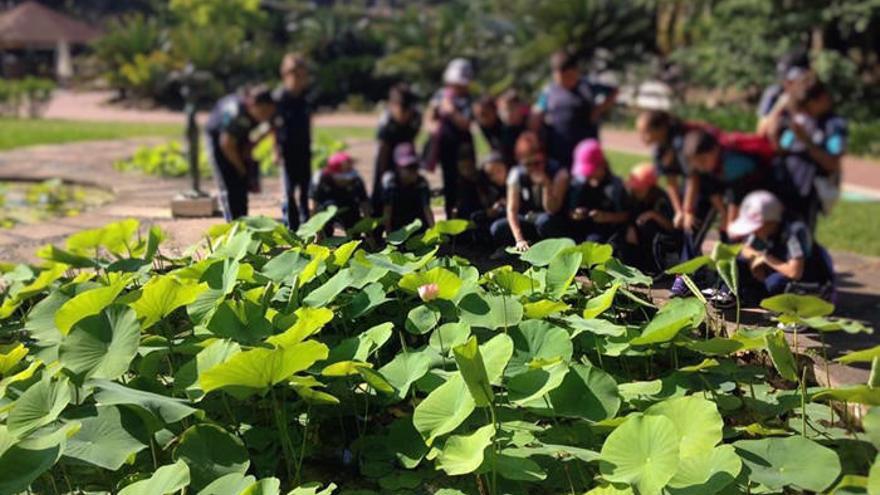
pixel 16 133
pixel 852 226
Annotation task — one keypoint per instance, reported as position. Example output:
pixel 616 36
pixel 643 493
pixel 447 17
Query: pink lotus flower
pixel 429 292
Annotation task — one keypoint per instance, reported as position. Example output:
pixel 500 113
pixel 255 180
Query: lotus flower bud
pixel 429 292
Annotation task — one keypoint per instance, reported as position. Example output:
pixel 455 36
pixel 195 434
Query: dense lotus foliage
pixel 265 362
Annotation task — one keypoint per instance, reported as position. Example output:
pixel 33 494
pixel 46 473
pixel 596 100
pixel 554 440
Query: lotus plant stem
pixel 598 352
pixel 494 449
pixel 281 424
pixel 302 447
pixel 675 356
pixel 804 402
pixel 153 453
pixel 52 482
pixel 738 308
pixel 827 372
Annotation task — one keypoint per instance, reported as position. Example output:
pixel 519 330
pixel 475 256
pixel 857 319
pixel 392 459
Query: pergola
pixel 32 27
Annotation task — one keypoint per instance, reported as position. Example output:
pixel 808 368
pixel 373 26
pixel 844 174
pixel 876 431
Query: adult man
pixel 293 138
pixel 570 108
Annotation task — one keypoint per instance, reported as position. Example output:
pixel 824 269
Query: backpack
pixel 749 144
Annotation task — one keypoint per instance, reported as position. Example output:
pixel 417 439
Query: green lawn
pixel 16 133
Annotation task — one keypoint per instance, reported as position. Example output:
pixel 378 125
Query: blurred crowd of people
pixel 546 174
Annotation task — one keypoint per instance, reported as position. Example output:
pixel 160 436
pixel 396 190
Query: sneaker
pixel 679 288
pixel 722 299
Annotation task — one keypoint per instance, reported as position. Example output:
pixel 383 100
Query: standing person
pixel 571 108
pixel 514 114
pixel 338 184
pixel 229 145
pixel 598 204
pixel 293 138
pixel 400 123
pixel 486 116
pixel 449 118
pixel 792 69
pixel 407 195
pixel 814 141
pixel 536 192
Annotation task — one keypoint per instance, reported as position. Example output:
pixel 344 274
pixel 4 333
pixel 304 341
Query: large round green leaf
pixel 463 454
pixel 211 452
pixel 84 304
pixel 797 305
pixel 447 283
pixel 789 462
pixel 103 345
pixel 162 295
pixel 167 409
pixel 167 479
pixel 496 354
pixel 230 484
pixel 529 388
pixel 38 406
pixel 472 369
pixel 696 419
pixel 561 271
pixel 537 341
pixel 706 472
pixel 586 392
pixel 543 252
pixel 675 316
pixel 27 460
pixel 109 436
pixel 599 304
pixel 492 312
pixel 256 370
pixel 642 452
pixel 422 319
pixel 406 368
pixel 445 408
pixel 449 335
pixel 780 354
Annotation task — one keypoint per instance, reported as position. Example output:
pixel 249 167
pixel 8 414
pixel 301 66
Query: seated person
pixel 400 123
pixel 229 148
pixel 652 242
pixel 814 142
pixel 340 185
pixel 492 195
pixel 729 167
pixel 779 254
pixel 467 201
pixel 536 191
pixel 407 196
pixel 597 199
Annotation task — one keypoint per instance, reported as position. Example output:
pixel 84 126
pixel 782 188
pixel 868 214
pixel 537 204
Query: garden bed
pixel 268 362
pixel 26 202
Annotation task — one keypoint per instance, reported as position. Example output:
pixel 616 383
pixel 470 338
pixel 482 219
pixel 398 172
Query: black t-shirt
pixel 530 194
pixel 568 116
pixel 391 133
pixel 230 116
pixel 463 105
pixel 349 193
pixel 668 156
pixel 792 241
pixel 407 201
pixel 490 192
pixel 293 130
pixel 656 200
pixel 608 195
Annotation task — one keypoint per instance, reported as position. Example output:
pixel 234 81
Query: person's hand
pixel 678 220
pixel 758 267
pixel 447 107
pixel 599 216
pixel 800 132
pixel 498 207
pixel 646 217
pixel 689 222
pixel 522 245
pixel 579 213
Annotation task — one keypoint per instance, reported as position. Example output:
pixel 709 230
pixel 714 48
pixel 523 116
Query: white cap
pixel 757 208
pixel 458 71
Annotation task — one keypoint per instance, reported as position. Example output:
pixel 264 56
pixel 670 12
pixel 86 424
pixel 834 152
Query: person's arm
pixel 386 218
pixel 691 193
pixel 770 125
pixel 673 191
pixel 232 152
pixel 599 216
pixel 720 206
pixel 829 162
pixel 555 194
pixel 429 216
pixel 383 157
pixel 793 268
pixel 656 217
pixel 600 110
pixel 513 203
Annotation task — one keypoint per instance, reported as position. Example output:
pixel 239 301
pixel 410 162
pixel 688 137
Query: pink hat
pixel 336 162
pixel 642 177
pixel 588 158
pixel 757 208
pixel 405 155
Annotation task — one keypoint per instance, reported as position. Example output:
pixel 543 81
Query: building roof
pixel 32 23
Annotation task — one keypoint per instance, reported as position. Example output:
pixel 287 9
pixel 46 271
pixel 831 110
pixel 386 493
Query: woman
pixel 536 193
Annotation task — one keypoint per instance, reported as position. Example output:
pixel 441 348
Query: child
pixel 468 198
pixel 340 185
pixel 406 193
pixel 400 123
pixel 652 243
pixel 597 201
pixel 293 138
pixel 229 146
pixel 814 142
pixel 450 115
pixel 491 192
pixel 486 116
pixel 513 113
pixel 536 191
pixel 779 254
